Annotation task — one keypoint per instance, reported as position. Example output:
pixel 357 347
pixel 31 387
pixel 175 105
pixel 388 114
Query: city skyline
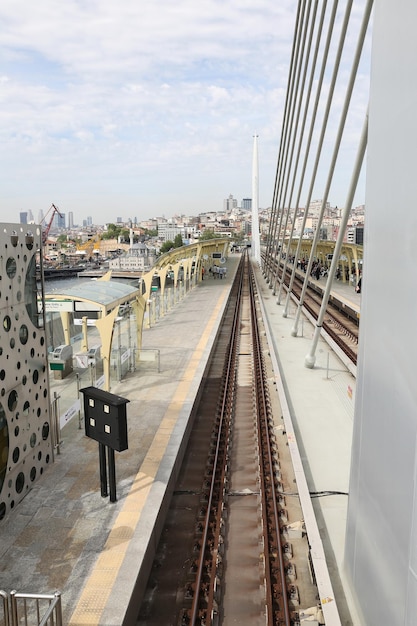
pixel 231 205
pixel 147 110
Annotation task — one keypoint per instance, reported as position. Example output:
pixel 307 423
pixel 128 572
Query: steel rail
pixel 343 345
pixel 267 473
pixel 228 386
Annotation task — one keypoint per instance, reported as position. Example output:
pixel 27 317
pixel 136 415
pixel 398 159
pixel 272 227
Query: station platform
pixel 65 536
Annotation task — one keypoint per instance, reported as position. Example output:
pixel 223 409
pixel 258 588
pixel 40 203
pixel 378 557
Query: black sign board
pixel 105 421
pixel 105 418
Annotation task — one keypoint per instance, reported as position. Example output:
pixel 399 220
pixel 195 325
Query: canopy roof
pixel 106 293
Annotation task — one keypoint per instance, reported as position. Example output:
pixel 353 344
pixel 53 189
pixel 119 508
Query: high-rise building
pixel 70 220
pixel 229 204
pixel 58 221
pixel 359 235
pixel 89 221
pixel 23 217
pixel 247 204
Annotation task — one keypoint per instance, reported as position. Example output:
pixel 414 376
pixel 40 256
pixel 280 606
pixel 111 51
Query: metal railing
pixel 31 609
pixel 5 609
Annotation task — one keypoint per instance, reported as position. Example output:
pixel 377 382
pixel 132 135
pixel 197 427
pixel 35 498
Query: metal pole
pixel 103 469
pixel 119 358
pixel 57 429
pixel 311 356
pixel 362 146
pixel 112 474
pixel 51 326
pixel 14 612
pixel 284 129
pixel 307 152
pixel 316 163
pixel 129 334
pixel 294 169
pixel 77 379
pixel 6 608
pixel 293 125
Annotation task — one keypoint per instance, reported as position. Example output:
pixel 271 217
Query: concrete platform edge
pixel 127 593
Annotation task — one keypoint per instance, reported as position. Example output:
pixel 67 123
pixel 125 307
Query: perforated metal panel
pixel 25 445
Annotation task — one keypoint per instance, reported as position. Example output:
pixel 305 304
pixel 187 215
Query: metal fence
pixel 30 609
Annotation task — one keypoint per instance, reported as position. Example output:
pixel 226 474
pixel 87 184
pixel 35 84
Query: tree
pixel 149 232
pixel 112 231
pixel 167 246
pixel 178 241
pixel 239 237
pixel 208 234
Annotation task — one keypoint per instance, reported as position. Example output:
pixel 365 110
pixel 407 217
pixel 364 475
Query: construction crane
pixel 88 247
pixel 45 232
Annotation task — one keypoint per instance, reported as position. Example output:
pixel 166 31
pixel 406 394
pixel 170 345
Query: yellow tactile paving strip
pixel 99 585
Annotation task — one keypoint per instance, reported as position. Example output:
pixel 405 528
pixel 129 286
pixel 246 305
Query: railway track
pixel 234 550
pixel 338 324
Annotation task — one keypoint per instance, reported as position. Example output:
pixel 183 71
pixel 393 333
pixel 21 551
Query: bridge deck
pixel 65 536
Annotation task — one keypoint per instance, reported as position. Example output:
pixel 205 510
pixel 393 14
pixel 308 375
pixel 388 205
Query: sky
pixel 145 108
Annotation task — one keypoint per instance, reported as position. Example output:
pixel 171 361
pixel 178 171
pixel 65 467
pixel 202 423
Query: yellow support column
pixel 176 270
pixel 84 343
pixel 162 277
pixel 139 306
pixel 105 327
pixel 65 321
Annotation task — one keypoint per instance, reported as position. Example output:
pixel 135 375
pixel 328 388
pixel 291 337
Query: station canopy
pixel 106 294
pixel 89 299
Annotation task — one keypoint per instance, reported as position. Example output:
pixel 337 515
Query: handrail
pixel 51 617
pixel 6 612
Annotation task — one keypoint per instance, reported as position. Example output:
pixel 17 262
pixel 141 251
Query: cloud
pixel 142 97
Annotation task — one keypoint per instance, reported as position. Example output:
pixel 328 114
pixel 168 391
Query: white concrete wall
pixel 381 544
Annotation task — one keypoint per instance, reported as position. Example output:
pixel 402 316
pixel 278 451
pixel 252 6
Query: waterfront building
pixel 139 258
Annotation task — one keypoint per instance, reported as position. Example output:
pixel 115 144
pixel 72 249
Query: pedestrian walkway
pixel 65 536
